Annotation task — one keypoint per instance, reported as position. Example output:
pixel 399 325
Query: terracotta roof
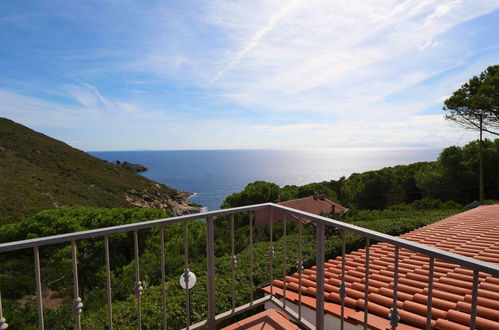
pixel 312 204
pixel 266 320
pixel 474 233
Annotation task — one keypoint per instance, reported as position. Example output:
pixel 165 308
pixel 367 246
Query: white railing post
pixel 77 304
pixel 343 288
pixel 284 263
pixel 138 283
pixel 39 296
pixel 474 299
pixel 271 252
pixel 233 261
pixel 319 311
pixel 251 255
pixel 299 265
pixel 163 276
pixel 430 293
pixel 394 314
pixel 3 321
pixel 108 284
pixel 210 251
pixel 186 276
pixel 366 285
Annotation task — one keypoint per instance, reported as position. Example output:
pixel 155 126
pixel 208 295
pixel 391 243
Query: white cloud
pixel 87 95
pixel 286 129
pixel 93 110
pixel 259 34
pixel 91 98
pixel 152 130
pixel 431 130
pixel 335 56
pixel 33 111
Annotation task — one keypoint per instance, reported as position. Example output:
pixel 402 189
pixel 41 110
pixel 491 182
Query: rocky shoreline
pixel 131 167
pixel 177 204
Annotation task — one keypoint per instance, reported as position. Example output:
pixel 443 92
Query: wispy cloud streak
pixel 257 37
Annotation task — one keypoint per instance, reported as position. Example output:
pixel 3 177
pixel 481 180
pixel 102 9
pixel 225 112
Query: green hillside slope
pixel 38 172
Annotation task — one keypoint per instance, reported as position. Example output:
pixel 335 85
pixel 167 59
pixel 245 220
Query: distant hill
pixel 38 172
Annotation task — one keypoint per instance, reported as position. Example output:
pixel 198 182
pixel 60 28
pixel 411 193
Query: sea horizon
pixel 280 149
pixel 212 175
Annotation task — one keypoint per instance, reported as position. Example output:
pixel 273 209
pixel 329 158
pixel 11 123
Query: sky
pixel 238 74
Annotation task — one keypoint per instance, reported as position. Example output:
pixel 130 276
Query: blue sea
pixel 212 175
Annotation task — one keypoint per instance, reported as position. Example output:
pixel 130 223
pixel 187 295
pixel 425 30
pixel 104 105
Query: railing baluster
pixel 366 288
pixel 233 261
pixel 251 255
pixel 108 283
pixel 285 238
pixel 186 277
pixel 474 299
pixel 210 251
pixel 394 315
pixel 343 289
pixel 299 264
pixel 430 293
pixel 77 304
pixel 320 247
pixel 271 252
pixel 39 296
pixel 138 283
pixel 163 276
pixel 3 321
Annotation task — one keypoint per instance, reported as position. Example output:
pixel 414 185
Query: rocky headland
pixel 175 204
pixel 131 167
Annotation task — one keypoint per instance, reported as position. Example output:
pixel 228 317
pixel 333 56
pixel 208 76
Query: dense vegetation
pixel 475 105
pixel 38 172
pixel 452 177
pixel 262 192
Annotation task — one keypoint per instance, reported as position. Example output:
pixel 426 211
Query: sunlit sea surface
pixel 214 174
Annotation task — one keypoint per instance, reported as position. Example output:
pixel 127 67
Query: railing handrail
pixel 455 258
pixel 67 237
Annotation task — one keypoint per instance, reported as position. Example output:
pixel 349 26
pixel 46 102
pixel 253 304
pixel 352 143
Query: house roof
pixel 316 204
pixel 474 233
pixel 267 320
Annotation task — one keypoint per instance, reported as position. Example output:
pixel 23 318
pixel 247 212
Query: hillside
pixel 38 172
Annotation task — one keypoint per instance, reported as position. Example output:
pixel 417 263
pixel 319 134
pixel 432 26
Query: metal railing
pixel 210 220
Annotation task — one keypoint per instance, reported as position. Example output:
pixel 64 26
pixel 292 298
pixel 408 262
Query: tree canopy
pixel 475 101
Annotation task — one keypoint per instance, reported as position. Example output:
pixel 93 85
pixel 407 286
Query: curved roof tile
pixel 473 233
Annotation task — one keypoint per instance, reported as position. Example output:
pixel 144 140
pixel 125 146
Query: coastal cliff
pixel 178 204
pixel 38 172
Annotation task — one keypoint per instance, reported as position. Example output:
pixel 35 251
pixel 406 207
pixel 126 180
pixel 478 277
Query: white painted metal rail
pixel 210 220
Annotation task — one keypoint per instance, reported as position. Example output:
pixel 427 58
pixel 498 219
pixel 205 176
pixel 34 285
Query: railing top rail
pixel 56 239
pixel 403 243
pixel 451 257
